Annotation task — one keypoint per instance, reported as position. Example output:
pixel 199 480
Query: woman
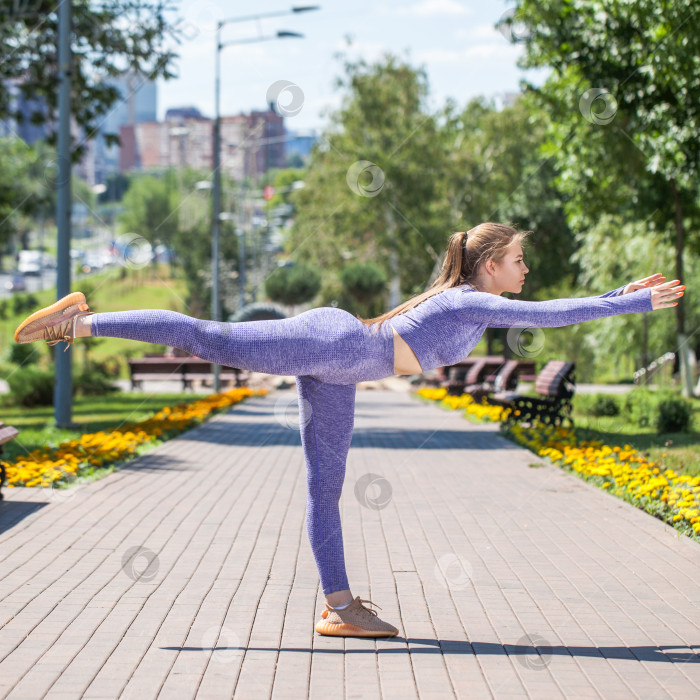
pixel 329 350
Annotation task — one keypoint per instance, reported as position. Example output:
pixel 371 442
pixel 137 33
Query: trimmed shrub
pixel 673 415
pixel 644 407
pixel 93 382
pixel 293 284
pixel 24 354
pixel 605 405
pixel 32 387
pixel 363 281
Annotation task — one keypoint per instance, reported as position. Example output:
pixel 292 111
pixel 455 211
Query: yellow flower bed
pixel 675 498
pixel 481 410
pixel 43 467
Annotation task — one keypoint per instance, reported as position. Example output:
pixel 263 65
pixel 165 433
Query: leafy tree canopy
pixel 109 38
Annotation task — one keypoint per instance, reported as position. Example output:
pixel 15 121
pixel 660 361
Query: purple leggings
pixel 328 350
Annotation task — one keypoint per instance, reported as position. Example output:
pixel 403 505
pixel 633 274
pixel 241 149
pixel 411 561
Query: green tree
pixel 365 283
pixel 169 208
pixel 625 103
pixel 17 187
pixel 108 38
pixel 27 188
pixel 293 284
pixel 372 181
pixel 149 208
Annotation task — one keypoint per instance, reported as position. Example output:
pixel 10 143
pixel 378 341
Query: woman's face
pixel 510 273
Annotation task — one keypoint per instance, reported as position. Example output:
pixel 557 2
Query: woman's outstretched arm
pixel 498 312
pixel 613 292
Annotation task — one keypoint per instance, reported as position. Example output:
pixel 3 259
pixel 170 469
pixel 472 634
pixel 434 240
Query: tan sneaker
pixel 354 621
pixel 54 323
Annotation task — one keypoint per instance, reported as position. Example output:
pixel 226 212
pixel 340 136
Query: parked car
pixel 93 261
pixel 29 262
pixel 16 283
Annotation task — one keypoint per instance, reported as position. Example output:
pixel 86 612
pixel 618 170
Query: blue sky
pixel 464 56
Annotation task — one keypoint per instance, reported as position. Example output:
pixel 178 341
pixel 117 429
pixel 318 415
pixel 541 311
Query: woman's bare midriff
pixel 405 360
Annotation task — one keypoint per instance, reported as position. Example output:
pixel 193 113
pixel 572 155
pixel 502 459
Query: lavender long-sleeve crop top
pixel 445 328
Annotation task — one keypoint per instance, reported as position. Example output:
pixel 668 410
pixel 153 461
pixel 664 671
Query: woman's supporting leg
pixel 326 419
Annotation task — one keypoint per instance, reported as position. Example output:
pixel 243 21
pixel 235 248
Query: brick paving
pixel 187 573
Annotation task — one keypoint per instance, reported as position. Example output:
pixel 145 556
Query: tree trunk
pixel 395 279
pixel 685 368
pixel 645 340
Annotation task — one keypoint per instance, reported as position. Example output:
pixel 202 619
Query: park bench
pixel 7 433
pixel 480 376
pixel 469 371
pixel 506 379
pixel 555 385
pixel 195 369
pixel 185 369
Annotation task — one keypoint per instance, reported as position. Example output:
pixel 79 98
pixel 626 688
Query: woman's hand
pixel 666 294
pixel 650 281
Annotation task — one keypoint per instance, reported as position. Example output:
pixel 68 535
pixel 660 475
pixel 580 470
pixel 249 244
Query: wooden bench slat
pixel 186 369
pixel 8 433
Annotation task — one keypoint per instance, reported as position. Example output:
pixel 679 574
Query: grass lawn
pixel 91 413
pixel 677 451
pixel 140 289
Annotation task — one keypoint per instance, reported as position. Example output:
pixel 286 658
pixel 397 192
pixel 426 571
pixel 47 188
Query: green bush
pixel 638 406
pixel 109 367
pixel 293 284
pixel 363 281
pixel 605 405
pixel 22 303
pixel 32 387
pixel 641 405
pixel 24 354
pixel 17 304
pixel 93 382
pixel 673 415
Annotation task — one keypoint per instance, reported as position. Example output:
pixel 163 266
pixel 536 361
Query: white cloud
pixel 508 52
pixel 368 50
pixel 439 56
pixel 481 31
pixel 432 8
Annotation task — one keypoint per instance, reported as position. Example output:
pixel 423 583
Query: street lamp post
pixel 241 207
pixel 63 390
pixel 216 198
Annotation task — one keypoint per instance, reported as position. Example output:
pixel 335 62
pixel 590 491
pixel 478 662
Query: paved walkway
pixel 188 572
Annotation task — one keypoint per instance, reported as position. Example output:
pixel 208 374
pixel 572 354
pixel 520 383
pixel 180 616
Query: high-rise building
pixel 251 144
pixel 299 144
pixel 137 104
pixel 28 107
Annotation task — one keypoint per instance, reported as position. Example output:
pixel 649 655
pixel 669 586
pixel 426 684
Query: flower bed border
pixel 74 458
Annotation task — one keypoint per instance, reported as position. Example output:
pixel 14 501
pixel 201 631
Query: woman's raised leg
pixel 301 345
pixel 327 343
